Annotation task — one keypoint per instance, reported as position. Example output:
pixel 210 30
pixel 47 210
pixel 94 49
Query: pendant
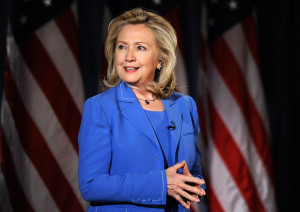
pixel 147 102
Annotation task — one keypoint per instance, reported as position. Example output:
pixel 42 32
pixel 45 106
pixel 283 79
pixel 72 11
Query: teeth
pixel 129 68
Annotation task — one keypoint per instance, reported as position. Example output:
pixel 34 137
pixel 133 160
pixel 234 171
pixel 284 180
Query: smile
pixel 130 69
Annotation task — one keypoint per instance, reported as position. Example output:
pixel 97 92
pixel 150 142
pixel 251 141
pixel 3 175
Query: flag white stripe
pixel 28 177
pixel 45 119
pixel 4 195
pixel 63 59
pixel 234 38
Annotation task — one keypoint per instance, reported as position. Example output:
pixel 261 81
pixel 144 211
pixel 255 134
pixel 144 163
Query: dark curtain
pixel 279 44
pixel 90 14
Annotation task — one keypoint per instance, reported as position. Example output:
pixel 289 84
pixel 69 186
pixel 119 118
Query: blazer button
pixel 138 200
pixel 149 200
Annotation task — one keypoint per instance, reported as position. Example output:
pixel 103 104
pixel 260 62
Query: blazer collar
pixel 125 93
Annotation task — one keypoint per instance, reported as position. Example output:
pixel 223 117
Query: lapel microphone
pixel 172 126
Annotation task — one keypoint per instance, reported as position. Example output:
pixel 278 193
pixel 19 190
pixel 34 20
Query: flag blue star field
pixel 233 117
pixel 41 109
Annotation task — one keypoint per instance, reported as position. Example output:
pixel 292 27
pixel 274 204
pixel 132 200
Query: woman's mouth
pixel 130 69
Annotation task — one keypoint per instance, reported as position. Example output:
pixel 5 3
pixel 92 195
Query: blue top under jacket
pixel 159 123
pixel 121 164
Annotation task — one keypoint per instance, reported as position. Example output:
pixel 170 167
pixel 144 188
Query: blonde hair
pixel 165 81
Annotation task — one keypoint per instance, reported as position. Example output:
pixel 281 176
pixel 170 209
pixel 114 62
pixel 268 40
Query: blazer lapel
pixel 133 111
pixel 174 115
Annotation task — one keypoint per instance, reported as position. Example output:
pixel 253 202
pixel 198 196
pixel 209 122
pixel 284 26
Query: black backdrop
pixel 279 46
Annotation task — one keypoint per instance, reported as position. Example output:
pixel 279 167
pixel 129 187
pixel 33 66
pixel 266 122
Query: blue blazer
pixel 121 165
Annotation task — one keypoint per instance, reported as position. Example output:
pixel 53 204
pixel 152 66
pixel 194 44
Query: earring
pixel 160 68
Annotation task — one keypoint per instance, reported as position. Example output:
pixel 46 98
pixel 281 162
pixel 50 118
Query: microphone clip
pixel 172 126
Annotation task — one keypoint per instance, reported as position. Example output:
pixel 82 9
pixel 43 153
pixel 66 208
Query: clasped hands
pixel 183 186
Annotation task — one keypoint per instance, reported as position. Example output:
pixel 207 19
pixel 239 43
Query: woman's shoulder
pixel 104 97
pixel 179 97
pixel 183 101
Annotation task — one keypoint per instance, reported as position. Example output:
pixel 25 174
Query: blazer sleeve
pixel 196 168
pixel 95 153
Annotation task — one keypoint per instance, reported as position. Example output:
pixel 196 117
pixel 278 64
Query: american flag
pixel 41 109
pixel 232 108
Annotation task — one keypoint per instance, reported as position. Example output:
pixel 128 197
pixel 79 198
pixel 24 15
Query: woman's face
pixel 136 55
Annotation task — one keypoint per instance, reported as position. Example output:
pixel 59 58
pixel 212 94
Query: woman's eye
pixel 121 47
pixel 141 48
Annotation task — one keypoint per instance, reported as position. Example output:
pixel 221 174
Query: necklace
pixel 147 101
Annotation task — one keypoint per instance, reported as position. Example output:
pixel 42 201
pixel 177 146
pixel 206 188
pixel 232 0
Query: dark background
pixel 279 47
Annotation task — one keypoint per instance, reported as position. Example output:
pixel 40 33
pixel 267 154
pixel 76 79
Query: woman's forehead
pixel 136 33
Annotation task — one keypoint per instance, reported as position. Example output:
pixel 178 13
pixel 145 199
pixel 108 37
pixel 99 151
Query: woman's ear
pixel 159 67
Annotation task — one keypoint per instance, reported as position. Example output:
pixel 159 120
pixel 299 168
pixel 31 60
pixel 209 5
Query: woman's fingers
pixel 193 189
pixel 176 167
pixel 185 169
pixel 183 187
pixel 204 193
pixel 188 183
pixel 191 179
pixel 180 200
pixel 189 204
pixel 188 196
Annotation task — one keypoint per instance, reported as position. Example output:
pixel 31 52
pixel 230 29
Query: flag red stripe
pixel 248 26
pixel 226 63
pixel 192 209
pixel 38 151
pixel 53 86
pixel 233 159
pixel 17 196
pixel 67 25
pixel 213 202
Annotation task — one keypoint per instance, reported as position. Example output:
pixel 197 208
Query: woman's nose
pixel 130 55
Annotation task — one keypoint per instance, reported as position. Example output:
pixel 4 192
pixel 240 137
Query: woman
pixel 138 148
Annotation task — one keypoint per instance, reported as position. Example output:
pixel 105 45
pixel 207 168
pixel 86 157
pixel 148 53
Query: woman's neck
pixel 147 99
pixel 142 91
